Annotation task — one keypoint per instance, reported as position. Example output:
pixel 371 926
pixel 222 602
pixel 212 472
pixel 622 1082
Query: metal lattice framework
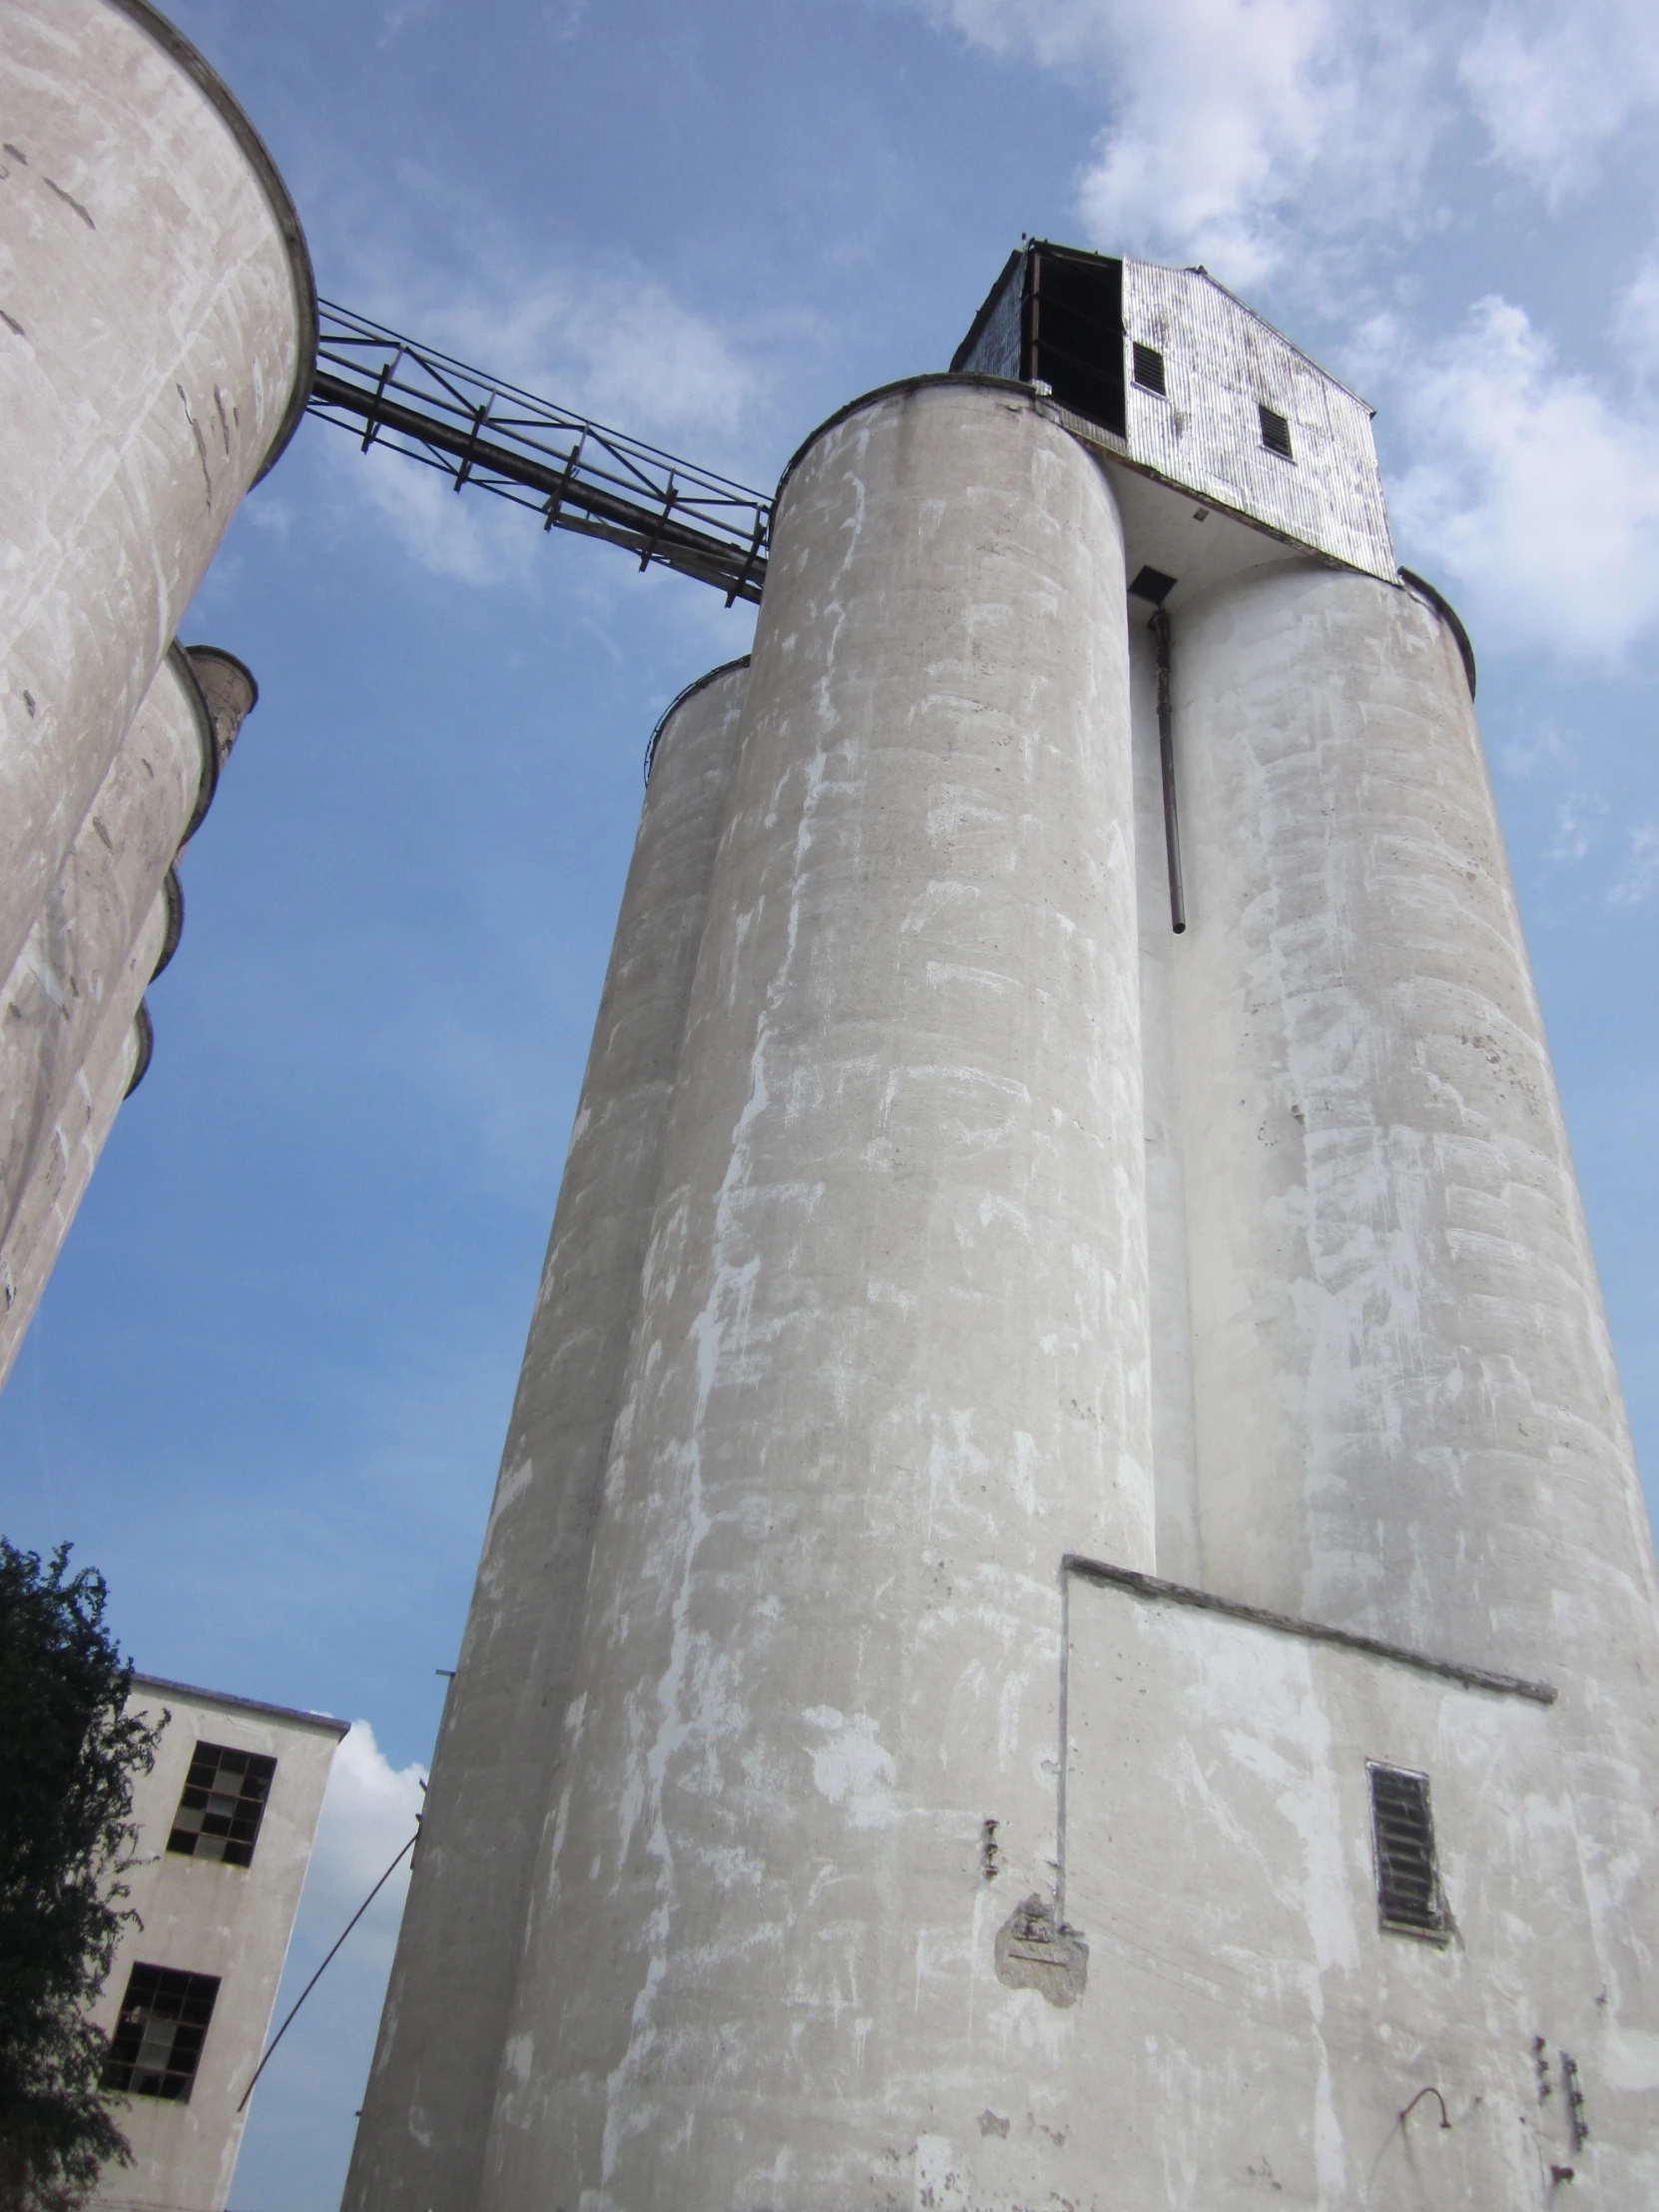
pixel 577 474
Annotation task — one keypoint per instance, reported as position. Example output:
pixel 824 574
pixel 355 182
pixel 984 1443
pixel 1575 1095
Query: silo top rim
pixel 954 377
pixel 178 48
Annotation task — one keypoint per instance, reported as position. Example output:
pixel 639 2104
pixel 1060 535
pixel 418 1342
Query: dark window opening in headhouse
pixel 1072 332
pixel 222 1804
pixel 158 2039
pixel 1403 1834
pixel 1149 367
pixel 1055 316
pixel 1276 432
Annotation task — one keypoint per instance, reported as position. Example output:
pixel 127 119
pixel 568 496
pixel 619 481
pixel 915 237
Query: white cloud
pixel 469 539
pixel 616 346
pixel 1577 825
pixel 1635 321
pixel 370 1808
pixel 1640 879
pixel 1238 123
pixel 303 2115
pixel 1554 84
pixel 1532 490
pixel 1247 133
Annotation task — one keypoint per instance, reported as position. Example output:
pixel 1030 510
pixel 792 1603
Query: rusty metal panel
pixel 1221 366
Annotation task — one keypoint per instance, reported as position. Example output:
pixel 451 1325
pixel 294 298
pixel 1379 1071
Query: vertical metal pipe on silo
pixel 891 1361
pixel 1408 1419
pixel 427 2107
pixel 159 329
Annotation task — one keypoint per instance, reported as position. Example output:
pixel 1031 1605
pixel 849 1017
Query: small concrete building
pixel 1068 1617
pixel 224 1825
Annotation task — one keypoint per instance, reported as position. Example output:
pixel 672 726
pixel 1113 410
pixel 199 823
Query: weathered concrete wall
pixel 1258 2033
pixel 81 961
pixel 1409 1422
pixel 65 1152
pixel 430 2098
pixel 203 1917
pixel 157 337
pixel 53 999
pixel 1408 1417
pixel 890 1363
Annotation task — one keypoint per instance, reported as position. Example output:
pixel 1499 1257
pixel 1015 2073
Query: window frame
pixel 238 1837
pixel 147 1983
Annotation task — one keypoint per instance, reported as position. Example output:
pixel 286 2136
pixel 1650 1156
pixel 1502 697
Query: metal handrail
pixel 578 474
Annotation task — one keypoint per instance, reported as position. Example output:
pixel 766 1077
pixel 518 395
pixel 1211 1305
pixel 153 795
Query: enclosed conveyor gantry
pixel 577 474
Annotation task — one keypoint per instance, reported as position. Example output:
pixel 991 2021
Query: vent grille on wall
pixel 1402 1831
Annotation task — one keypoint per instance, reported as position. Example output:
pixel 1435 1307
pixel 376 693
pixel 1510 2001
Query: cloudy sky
pixel 266 1388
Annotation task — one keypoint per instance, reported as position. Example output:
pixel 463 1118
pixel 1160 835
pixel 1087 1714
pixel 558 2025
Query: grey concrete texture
pixel 80 959
pixel 890 1363
pixel 426 2112
pixel 987 1222
pixel 76 956
pixel 203 1917
pixel 1261 2034
pixel 1408 1417
pixel 1409 1422
pixel 156 322
pixel 67 1151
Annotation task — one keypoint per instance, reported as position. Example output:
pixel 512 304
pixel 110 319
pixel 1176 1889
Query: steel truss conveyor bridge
pixel 574 472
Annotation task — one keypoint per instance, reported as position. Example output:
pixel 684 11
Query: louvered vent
pixel 1402 1829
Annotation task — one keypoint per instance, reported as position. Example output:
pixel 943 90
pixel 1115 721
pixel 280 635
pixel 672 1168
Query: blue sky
pixel 268 1384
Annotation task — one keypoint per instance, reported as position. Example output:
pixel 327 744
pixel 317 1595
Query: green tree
pixel 68 1756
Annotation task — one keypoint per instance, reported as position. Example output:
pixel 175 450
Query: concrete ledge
pixel 1177 1593
pixel 324 1722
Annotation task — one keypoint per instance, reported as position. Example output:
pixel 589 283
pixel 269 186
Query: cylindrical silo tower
pixel 497 1759
pixel 77 978
pixel 891 1361
pixel 66 1150
pixel 159 336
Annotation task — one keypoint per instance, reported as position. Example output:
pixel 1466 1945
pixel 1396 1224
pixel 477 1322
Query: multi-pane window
pixel 223 1804
pixel 158 2039
pixel 1402 1833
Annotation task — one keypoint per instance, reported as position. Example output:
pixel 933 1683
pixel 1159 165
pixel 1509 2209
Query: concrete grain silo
pixel 1068 1618
pixel 158 325
pixel 1067 1615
